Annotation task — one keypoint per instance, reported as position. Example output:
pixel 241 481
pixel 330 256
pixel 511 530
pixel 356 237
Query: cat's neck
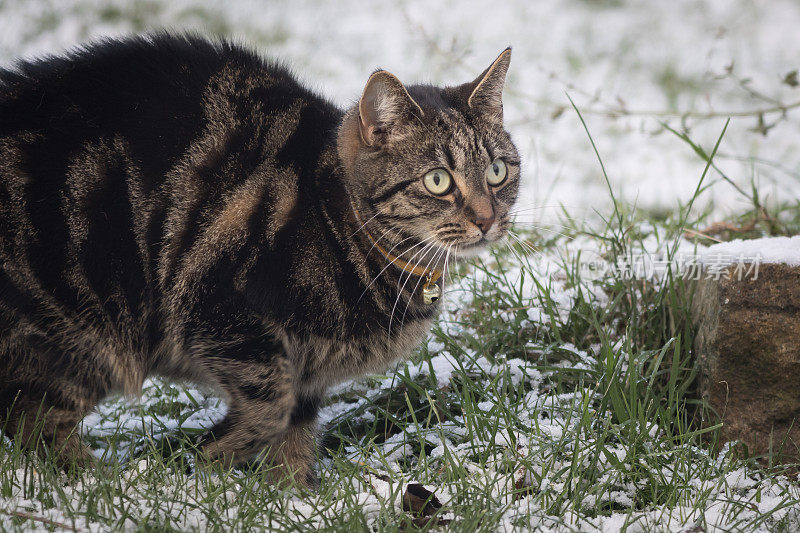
pixel 377 254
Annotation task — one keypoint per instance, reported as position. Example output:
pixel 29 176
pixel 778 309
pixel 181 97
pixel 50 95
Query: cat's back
pixel 153 90
pixel 111 159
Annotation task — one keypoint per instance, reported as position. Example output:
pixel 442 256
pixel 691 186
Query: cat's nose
pixel 481 213
pixel 484 224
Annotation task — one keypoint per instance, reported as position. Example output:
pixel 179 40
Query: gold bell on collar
pixel 431 291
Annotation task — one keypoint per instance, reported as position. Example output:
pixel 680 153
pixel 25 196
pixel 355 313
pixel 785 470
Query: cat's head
pixel 432 164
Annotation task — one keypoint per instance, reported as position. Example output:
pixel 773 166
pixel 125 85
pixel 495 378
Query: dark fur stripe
pixel 391 191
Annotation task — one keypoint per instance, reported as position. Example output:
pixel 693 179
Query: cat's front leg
pixel 259 422
pixel 297 453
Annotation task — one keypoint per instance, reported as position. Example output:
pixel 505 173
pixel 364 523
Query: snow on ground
pixel 546 433
pixel 655 60
pixel 549 417
pixel 784 250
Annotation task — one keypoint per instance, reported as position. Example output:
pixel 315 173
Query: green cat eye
pixel 438 181
pixel 496 173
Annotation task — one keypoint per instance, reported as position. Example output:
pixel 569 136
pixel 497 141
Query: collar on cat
pixel 430 290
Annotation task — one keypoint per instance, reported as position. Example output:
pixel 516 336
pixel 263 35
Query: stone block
pixel 748 352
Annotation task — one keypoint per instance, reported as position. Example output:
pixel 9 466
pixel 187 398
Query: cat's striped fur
pixel 174 206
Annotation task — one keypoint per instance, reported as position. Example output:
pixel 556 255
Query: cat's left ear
pixel 486 92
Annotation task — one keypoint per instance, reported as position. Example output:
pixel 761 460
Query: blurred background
pixel 630 66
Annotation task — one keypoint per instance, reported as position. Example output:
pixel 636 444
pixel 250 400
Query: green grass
pixel 567 403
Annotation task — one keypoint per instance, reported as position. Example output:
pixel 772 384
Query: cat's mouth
pixel 481 243
pixel 471 249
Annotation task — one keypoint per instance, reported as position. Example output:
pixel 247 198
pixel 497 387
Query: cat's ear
pixel 486 92
pixel 384 106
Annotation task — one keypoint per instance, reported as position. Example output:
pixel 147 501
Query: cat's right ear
pixel 384 106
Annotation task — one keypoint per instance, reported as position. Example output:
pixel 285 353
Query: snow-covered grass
pixel 555 393
pixel 546 398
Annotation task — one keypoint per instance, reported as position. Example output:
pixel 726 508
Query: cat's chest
pixel 322 362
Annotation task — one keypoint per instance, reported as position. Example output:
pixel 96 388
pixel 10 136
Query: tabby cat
pixel 179 207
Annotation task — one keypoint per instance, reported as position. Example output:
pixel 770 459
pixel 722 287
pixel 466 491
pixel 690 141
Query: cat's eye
pixel 496 173
pixel 438 181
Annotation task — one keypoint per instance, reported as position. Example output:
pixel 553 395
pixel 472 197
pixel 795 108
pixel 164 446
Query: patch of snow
pixel 783 250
